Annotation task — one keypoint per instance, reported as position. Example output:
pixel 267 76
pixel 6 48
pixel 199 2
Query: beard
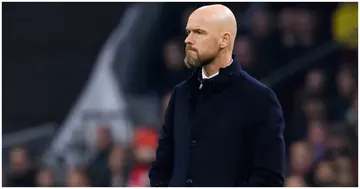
pixel 199 61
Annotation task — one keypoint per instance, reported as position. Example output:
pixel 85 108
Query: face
pixel 324 174
pixel 294 181
pixel 301 157
pixel 145 154
pixel 286 19
pixel 344 171
pixel 45 178
pixel 173 56
pixel 345 82
pixel 103 138
pixel 243 51
pixel 344 163
pixel 202 42
pixel 316 132
pixel 75 178
pixel 19 160
pixel 315 80
pixel 304 21
pixel 116 159
pixel 314 109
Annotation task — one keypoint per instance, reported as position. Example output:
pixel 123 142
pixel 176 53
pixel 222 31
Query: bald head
pixel 211 33
pixel 219 17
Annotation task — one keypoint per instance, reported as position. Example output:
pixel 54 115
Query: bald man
pixel 222 127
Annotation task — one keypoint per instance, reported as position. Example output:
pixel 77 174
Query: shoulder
pixel 180 87
pixel 247 84
pixel 263 99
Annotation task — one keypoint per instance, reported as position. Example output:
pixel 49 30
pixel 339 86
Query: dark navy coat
pixel 228 133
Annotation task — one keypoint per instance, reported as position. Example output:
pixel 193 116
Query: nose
pixel 188 40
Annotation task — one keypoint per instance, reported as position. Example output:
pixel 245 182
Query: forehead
pixel 198 21
pixel 195 22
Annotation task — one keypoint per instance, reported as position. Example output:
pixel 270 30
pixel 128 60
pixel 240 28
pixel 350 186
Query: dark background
pixel 48 45
pixel 49 51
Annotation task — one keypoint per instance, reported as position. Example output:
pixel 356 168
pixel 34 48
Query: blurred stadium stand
pixel 85 86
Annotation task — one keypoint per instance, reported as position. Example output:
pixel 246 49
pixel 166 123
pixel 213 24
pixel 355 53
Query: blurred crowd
pixel 320 102
pixel 113 165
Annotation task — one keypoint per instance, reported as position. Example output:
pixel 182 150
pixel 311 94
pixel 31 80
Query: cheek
pixel 211 47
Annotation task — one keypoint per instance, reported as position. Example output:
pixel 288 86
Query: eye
pixel 195 31
pixel 199 31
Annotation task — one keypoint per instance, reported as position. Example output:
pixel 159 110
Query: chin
pixel 192 65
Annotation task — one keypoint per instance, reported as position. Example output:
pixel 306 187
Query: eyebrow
pixel 196 30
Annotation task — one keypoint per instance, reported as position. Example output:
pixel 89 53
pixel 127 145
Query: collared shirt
pixel 204 75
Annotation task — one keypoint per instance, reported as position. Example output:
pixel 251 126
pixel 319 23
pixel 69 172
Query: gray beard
pixel 193 63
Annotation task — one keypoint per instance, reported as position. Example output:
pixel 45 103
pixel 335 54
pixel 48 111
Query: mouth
pixel 190 49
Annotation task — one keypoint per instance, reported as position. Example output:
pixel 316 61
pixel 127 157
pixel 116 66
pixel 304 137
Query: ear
pixel 225 40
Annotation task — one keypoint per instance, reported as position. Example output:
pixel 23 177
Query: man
pixel 23 172
pixel 222 127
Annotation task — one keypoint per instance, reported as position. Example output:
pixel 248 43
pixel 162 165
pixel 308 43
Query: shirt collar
pixel 215 74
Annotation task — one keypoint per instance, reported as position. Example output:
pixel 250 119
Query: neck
pixel 220 61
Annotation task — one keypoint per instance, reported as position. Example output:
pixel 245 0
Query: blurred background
pixel 85 86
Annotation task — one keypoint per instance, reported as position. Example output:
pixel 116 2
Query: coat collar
pixel 217 83
pixel 233 69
